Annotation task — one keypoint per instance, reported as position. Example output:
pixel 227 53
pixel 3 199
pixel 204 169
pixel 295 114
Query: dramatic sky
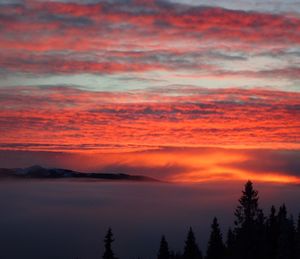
pixel 186 90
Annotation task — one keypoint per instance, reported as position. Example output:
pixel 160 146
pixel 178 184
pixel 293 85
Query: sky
pixel 186 90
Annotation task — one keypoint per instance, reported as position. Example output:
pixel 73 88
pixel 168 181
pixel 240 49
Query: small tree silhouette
pixel 163 252
pixel 254 235
pixel 191 250
pixel 108 253
pixel 216 248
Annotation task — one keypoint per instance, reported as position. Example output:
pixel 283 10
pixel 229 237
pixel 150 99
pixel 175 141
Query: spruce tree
pixel 247 210
pixel 216 248
pixel 272 234
pixel 191 250
pixel 163 252
pixel 248 215
pixel 108 240
pixel 260 233
pixel 286 237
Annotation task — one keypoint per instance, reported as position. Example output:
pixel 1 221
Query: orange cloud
pixel 75 120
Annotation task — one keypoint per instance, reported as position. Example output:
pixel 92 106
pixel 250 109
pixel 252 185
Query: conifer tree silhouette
pixel 108 240
pixel 254 235
pixel 272 234
pixel 247 215
pixel 216 247
pixel 247 211
pixel 260 233
pixel 191 250
pixel 286 237
pixel 163 252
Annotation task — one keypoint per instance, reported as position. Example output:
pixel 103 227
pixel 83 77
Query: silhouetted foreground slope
pixel 38 172
pixel 254 235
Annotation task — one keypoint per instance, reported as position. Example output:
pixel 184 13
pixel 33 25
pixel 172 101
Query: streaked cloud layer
pixel 144 38
pixel 135 76
pixel 40 118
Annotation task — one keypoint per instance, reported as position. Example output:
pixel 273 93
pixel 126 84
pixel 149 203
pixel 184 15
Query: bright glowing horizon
pixel 188 91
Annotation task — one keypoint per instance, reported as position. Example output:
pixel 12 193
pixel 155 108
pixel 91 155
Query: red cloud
pixel 44 37
pixel 143 24
pixel 238 118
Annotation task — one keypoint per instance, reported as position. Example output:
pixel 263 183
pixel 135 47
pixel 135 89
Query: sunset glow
pixel 182 91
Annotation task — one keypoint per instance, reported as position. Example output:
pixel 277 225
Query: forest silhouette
pixel 253 236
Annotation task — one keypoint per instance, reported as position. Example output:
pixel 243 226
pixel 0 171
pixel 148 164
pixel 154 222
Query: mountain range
pixel 39 172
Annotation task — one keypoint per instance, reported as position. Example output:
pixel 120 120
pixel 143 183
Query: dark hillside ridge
pixel 38 172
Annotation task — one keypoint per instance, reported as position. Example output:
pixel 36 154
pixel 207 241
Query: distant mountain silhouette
pixel 38 172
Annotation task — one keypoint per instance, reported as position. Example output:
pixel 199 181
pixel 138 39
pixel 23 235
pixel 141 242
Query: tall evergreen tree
pixel 261 235
pixel 247 210
pixel 191 249
pixel 286 237
pixel 163 252
pixel 108 240
pixel 216 247
pixel 248 215
pixel 272 234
